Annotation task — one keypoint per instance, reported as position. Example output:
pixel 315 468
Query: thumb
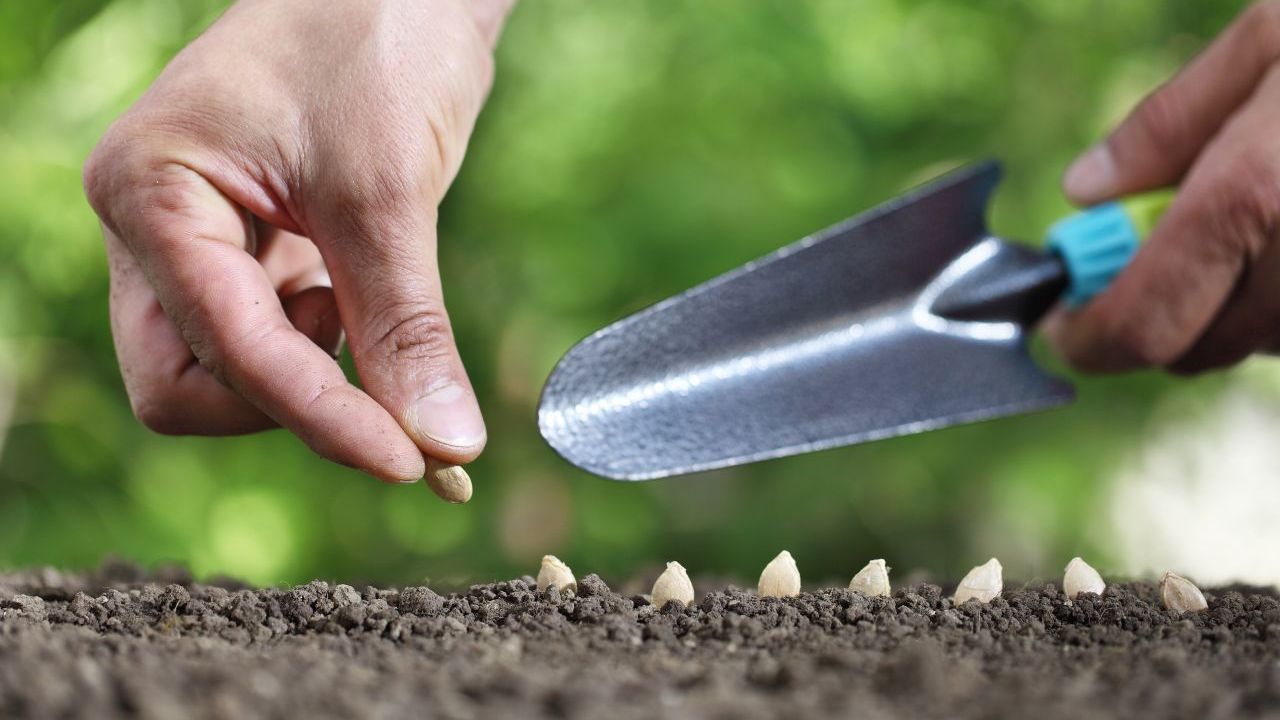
pixel 389 295
pixel 1160 140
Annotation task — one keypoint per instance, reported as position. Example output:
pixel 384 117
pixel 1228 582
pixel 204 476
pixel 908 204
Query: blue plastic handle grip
pixel 1095 245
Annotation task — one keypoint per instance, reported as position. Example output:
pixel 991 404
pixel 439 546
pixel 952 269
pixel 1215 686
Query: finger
pixel 295 268
pixel 1157 143
pixel 1249 323
pixel 1156 307
pixel 389 292
pixel 314 312
pixel 171 393
pixel 189 239
pixel 1222 220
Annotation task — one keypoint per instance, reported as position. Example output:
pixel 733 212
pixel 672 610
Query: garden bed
pixel 117 644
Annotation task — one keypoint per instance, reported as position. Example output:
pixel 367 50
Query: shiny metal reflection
pixel 906 318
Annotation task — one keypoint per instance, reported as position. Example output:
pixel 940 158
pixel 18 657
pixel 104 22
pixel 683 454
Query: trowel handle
pixel 1096 244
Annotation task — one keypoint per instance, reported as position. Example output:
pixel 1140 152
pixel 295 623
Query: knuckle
pixel 94 179
pixel 127 178
pixel 108 167
pixel 144 165
pixel 402 161
pixel 420 333
pixel 1141 342
pixel 1161 119
pixel 1241 215
pixel 1260 24
pixel 380 190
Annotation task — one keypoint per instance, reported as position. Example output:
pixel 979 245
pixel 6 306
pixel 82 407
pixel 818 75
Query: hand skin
pixel 291 143
pixel 1204 290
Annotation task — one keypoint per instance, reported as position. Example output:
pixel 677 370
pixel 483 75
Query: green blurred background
pixel 629 150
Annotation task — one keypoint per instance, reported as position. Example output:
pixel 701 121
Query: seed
pixel 983 583
pixel 781 577
pixel 872 580
pixel 1080 577
pixel 555 573
pixel 1181 595
pixel 450 482
pixel 672 585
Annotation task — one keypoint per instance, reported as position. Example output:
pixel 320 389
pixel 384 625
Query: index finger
pixel 1157 143
pixel 189 238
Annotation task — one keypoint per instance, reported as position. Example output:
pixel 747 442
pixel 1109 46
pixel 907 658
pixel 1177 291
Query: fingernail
pixel 450 416
pixel 1092 176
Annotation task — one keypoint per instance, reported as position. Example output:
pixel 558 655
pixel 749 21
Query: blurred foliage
pixel 629 151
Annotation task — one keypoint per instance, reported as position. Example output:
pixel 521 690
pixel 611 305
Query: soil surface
pixel 118 643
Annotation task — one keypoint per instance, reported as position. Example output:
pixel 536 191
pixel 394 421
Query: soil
pixel 120 644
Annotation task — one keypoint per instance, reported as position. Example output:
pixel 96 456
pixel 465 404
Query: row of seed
pixel 781 578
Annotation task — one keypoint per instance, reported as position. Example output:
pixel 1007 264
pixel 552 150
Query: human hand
pixel 1202 292
pixel 290 143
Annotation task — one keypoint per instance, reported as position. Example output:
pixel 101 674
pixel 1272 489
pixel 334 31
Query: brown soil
pixel 115 644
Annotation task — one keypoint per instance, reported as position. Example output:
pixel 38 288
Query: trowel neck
pixel 1008 282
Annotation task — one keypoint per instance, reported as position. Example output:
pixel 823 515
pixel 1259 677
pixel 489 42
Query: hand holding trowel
pixel 910 317
pixel 914 316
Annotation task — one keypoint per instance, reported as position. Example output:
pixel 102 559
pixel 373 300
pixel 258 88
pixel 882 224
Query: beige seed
pixel 672 584
pixel 983 583
pixel 872 580
pixel 1080 577
pixel 780 578
pixel 450 482
pixel 1181 595
pixel 555 573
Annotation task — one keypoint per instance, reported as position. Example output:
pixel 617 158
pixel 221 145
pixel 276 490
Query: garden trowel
pixel 909 317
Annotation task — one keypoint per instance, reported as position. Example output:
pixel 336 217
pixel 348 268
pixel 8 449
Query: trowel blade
pixel 829 341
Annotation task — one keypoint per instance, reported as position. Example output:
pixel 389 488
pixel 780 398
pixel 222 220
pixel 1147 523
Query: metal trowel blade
pixel 830 341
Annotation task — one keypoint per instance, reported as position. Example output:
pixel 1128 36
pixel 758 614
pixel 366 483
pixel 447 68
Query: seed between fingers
pixel 450 482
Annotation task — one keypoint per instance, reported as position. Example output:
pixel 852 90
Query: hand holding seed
pixel 450 482
pixel 277 189
pixel 1201 293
